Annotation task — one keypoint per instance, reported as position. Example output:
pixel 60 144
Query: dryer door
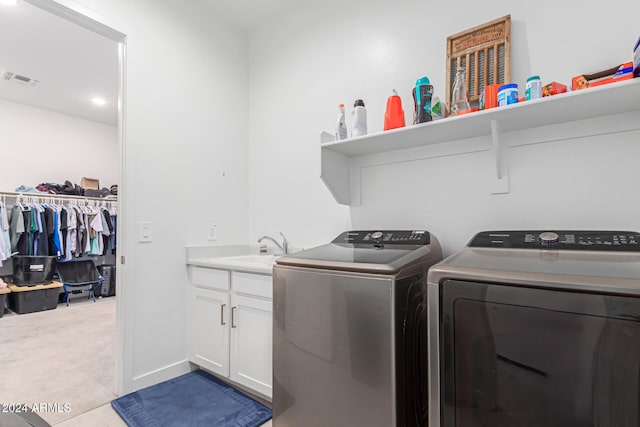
pixel 516 356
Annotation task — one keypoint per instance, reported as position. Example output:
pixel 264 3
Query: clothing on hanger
pixel 49 228
pixel 16 227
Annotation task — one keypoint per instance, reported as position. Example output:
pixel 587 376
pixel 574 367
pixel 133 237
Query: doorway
pixel 71 15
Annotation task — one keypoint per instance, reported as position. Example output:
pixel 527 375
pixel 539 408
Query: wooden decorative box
pixel 485 52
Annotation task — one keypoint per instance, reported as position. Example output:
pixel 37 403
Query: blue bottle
pixel 422 94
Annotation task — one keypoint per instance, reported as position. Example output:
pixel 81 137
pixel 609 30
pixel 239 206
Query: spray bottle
pixel 341 127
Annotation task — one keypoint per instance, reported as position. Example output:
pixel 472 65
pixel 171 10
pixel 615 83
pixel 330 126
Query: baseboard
pixel 159 375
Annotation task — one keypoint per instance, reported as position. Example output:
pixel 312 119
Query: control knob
pixel 548 238
pixel 377 235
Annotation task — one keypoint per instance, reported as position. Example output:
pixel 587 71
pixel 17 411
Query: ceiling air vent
pixel 18 79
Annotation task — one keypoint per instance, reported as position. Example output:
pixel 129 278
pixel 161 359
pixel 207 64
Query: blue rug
pixel 193 399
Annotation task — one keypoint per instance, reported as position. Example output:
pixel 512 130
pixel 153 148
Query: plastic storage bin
pixel 3 299
pixel 23 299
pixel 33 270
pixel 108 287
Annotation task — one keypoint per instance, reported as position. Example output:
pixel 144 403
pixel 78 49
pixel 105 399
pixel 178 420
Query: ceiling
pixel 71 63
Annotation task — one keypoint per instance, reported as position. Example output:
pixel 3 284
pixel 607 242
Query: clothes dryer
pixel 537 328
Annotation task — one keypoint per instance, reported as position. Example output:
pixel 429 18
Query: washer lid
pixel 567 265
pixel 382 252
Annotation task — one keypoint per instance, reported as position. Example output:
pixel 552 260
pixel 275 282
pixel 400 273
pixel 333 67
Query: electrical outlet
pixel 212 232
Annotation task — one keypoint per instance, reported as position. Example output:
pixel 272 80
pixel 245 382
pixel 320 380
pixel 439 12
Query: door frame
pixel 85 17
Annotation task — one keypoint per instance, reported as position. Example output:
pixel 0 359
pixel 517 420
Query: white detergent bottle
pixel 359 119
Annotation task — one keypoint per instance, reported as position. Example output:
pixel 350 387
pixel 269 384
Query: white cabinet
pixel 209 330
pixel 251 343
pixel 230 324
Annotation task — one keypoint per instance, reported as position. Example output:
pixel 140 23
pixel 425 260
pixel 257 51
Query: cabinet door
pixel 251 345
pixel 209 330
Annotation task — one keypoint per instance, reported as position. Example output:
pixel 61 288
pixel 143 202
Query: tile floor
pixel 74 360
pixel 104 416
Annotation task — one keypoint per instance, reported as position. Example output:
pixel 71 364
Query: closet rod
pixel 56 196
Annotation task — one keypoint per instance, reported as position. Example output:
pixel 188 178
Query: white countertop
pixel 242 258
pixel 233 264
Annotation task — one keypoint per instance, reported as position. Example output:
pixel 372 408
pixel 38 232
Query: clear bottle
pixel 341 127
pixel 359 119
pixel 459 93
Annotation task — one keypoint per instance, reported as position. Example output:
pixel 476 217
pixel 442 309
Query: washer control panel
pixel 615 241
pixel 378 237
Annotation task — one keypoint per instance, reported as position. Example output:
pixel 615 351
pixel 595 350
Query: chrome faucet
pixel 284 247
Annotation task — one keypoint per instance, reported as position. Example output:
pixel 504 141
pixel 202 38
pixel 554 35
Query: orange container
pixel 489 97
pixel 553 88
pixel 394 115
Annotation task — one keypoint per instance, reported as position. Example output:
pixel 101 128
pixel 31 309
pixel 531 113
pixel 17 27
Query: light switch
pixel 145 232
pixel 212 233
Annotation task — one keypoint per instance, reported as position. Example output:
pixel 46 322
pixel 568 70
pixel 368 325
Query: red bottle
pixel 394 115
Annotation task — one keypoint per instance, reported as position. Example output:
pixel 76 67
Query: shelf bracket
pixel 335 171
pixel 500 184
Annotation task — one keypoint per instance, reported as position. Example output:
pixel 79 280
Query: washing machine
pixel 537 328
pixel 350 331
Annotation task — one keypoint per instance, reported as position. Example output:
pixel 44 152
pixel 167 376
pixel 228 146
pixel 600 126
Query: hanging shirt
pixel 112 238
pixel 4 224
pixel 50 225
pixel 57 247
pixel 91 232
pixel 64 229
pixel 16 227
pixel 33 231
pixel 80 230
pixel 96 242
pixel 71 233
pixel 4 250
pixel 38 233
pixel 43 239
pixel 26 239
pixel 106 230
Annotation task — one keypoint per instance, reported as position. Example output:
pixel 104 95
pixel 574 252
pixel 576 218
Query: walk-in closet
pixel 58 213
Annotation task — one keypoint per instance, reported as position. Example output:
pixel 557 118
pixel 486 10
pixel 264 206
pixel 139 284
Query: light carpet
pixel 61 356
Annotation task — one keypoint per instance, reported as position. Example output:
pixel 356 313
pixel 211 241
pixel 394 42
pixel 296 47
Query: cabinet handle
pixel 233 310
pixel 222 322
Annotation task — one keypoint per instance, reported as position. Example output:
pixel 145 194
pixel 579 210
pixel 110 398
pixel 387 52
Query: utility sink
pixel 253 259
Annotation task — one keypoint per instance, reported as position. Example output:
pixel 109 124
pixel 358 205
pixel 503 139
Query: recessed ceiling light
pixel 8 2
pixel 96 99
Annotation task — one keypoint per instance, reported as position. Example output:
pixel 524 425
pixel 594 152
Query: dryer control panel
pixel 615 241
pixel 376 237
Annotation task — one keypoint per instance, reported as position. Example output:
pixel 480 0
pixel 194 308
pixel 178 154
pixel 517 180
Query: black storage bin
pixel 108 287
pixel 3 300
pixel 33 270
pixel 24 300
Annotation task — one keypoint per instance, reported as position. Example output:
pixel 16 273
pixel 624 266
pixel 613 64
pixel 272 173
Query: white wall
pixel 185 164
pixel 187 135
pixel 322 53
pixel 46 146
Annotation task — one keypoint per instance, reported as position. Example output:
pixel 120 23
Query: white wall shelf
pixel 341 160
